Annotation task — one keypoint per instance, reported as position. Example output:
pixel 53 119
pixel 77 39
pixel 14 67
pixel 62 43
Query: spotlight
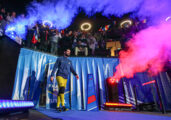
pixel 118 106
pixel 168 18
pixel 86 26
pixel 125 23
pixel 147 83
pixel 110 104
pixel 9 106
pixel 112 80
pixel 47 22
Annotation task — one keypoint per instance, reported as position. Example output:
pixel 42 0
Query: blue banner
pixel 33 77
pixel 92 104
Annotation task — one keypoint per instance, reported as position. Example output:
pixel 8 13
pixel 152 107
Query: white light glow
pixel 124 22
pixel 86 24
pixel 49 22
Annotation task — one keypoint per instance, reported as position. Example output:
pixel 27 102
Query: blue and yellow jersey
pixel 64 66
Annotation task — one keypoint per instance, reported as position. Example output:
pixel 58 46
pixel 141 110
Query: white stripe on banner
pixel 106 71
pixel 78 88
pixel 17 80
pixel 126 92
pixel 67 92
pixel 47 87
pixel 132 93
pixel 39 66
pixel 94 75
pixel 71 87
pixel 83 84
pixel 92 108
pixel 88 68
pixel 168 78
pixel 122 98
pixel 166 85
pixel 124 83
pixel 88 72
pixel 100 86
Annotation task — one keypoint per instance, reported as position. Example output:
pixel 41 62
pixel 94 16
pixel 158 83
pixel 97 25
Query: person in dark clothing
pixel 64 66
pixel 66 42
pixel 82 46
pixel 44 39
pixel 30 32
pixel 3 13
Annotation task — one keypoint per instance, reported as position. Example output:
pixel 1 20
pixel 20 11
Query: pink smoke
pixel 147 51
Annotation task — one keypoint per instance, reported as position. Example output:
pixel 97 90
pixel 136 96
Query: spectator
pixel 81 46
pixel 54 38
pixel 92 44
pixel 30 32
pixel 3 24
pixel 66 41
pixel 8 17
pixel 75 39
pixel 13 16
pixel 3 14
pixel 35 37
pixel 44 39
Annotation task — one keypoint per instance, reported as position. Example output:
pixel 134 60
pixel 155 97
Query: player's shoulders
pixel 64 59
pixel 60 58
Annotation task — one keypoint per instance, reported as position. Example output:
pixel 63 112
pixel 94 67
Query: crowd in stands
pixel 6 18
pixel 50 40
pixel 54 41
pixel 84 43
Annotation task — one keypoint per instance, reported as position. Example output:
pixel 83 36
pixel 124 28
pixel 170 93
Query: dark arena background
pixel 120 51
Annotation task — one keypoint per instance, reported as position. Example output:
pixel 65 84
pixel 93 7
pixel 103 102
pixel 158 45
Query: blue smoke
pixel 17 28
pixel 62 12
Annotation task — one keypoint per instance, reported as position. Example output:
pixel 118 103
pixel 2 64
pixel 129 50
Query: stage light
pixel 6 104
pixel 112 80
pixel 12 106
pixel 168 18
pixel 84 28
pixel 126 22
pixel 150 82
pixel 9 106
pixel 47 22
pixel 118 104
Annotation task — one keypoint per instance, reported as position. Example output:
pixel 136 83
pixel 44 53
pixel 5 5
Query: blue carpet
pixel 100 115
